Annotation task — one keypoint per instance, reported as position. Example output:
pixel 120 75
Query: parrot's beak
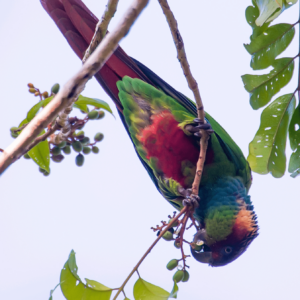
pixel 204 256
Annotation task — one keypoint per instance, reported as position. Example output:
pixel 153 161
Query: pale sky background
pixel 105 209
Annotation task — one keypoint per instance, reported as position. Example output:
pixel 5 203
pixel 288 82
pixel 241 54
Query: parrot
pixel 164 129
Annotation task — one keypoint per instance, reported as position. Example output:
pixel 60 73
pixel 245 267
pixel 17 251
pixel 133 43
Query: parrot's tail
pixel 77 23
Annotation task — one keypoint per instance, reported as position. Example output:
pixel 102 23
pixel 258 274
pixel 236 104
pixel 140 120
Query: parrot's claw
pixel 191 201
pixel 195 129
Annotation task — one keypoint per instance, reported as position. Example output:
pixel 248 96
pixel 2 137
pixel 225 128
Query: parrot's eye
pixel 228 250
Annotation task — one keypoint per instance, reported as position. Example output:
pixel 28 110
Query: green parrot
pixel 163 127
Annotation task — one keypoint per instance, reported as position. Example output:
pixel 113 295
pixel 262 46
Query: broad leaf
pixel 269 44
pixel 74 289
pixel 41 154
pixel 252 13
pixel 144 290
pixel 263 87
pixel 294 135
pixel 271 9
pixel 81 106
pixel 174 291
pixel 94 102
pixel 34 110
pixel 267 149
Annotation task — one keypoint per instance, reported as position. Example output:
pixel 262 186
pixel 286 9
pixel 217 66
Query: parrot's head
pixel 229 225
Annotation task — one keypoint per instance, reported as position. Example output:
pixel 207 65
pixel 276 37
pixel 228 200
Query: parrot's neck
pixel 220 206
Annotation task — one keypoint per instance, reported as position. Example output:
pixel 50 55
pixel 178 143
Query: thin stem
pixel 149 250
pixel 299 59
pixel 69 93
pixel 192 83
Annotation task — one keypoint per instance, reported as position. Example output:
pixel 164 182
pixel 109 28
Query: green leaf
pixel 174 291
pixel 34 110
pixel 52 291
pixel 294 135
pixel 269 44
pixel 41 154
pixel 144 290
pixel 81 106
pixel 263 87
pixel 94 102
pixel 271 9
pixel 267 149
pixel 74 289
pixel 252 13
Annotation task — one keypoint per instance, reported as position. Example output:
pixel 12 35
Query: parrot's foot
pixel 191 201
pixel 195 129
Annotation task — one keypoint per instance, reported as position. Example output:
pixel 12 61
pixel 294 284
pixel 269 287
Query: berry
pixel 36 94
pixel 178 276
pixel 62 144
pixel 92 115
pixel 30 85
pixel 99 137
pixel 26 156
pixel 57 158
pixel 77 146
pixel 168 236
pixel 56 151
pixel 186 276
pixel 177 245
pixel 45 95
pixel 79 160
pixel 172 264
pixel 32 90
pixel 67 150
pixel 78 133
pixel 95 150
pixel 175 224
pixel 13 134
pixel 85 141
pixel 55 88
pixel 86 150
pixel 13 128
pixel 101 114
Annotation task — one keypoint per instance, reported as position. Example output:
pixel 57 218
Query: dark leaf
pixel 41 154
pixel 269 44
pixel 74 289
pixel 263 87
pixel 267 149
pixel 144 290
pixel 94 102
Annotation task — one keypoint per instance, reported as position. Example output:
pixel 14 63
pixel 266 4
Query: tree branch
pixel 72 88
pixel 192 83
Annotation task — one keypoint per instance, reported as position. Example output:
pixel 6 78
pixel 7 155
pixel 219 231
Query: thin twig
pixel 149 250
pixel 72 88
pixel 101 27
pixel 181 55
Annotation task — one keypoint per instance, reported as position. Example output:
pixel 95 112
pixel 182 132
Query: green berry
pixel 13 129
pixel 79 160
pixel 67 150
pixel 56 151
pixel 55 88
pixel 78 133
pixel 101 114
pixel 86 150
pixel 99 137
pixel 92 115
pixel 186 276
pixel 14 135
pixel 95 150
pixel 32 90
pixel 177 245
pixel 26 156
pixel 175 224
pixel 57 158
pixel 77 146
pixel 168 236
pixel 62 144
pixel 172 264
pixel 85 141
pixel 178 276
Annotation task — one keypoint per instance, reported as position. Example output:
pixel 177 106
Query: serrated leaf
pixel 269 44
pixel 34 110
pixel 94 102
pixel 144 290
pixel 41 154
pixel 174 291
pixel 271 9
pixel 252 13
pixel 267 149
pixel 263 87
pixel 81 106
pixel 74 289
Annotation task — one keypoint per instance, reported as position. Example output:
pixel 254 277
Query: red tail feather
pixel 77 24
